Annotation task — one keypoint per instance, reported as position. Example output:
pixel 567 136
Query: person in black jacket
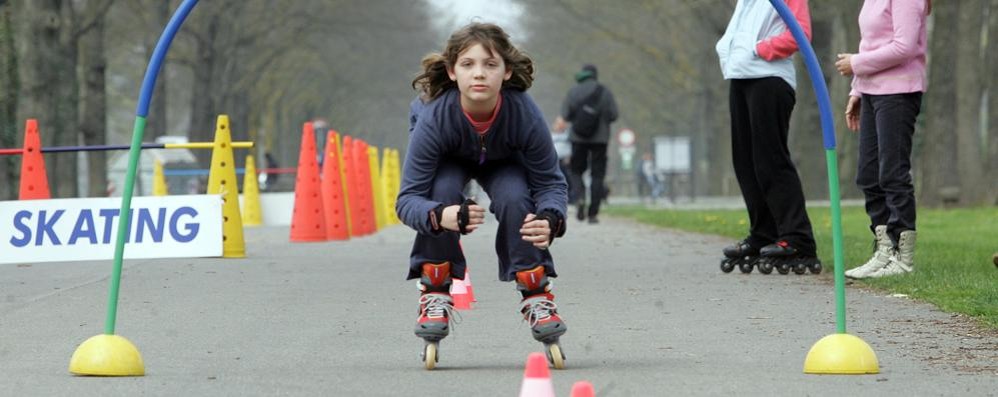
pixel 590 108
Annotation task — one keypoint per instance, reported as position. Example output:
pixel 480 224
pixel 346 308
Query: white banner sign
pixel 87 229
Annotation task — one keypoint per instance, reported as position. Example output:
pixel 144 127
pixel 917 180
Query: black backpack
pixel 586 120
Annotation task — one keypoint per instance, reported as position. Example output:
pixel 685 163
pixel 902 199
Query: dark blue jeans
pixel 886 128
pixel 506 184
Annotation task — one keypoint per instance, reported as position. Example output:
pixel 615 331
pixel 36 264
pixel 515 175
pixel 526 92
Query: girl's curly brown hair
pixel 434 79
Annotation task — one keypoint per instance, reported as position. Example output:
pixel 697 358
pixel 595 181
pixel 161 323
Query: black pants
pixel 886 128
pixel 771 187
pixel 592 156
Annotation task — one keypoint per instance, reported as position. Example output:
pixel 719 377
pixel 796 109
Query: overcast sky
pixel 456 13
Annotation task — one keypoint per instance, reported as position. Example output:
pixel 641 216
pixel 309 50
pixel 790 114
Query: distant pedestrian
pixel 474 120
pixel 886 98
pixel 590 108
pixel 650 176
pixel 755 53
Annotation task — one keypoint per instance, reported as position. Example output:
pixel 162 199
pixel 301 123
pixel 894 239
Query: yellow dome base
pixel 107 355
pixel 841 354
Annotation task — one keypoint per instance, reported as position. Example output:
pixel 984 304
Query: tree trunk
pixel 845 39
pixel 936 166
pixel 8 105
pixel 991 82
pixel 806 145
pixel 47 55
pixel 93 105
pixel 204 88
pixel 156 122
pixel 967 76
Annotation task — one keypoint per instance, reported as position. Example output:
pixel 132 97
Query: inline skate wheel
pixel 783 268
pixel 815 268
pixel 727 265
pixel 765 267
pixel 430 355
pixel 745 267
pixel 555 356
pixel 800 268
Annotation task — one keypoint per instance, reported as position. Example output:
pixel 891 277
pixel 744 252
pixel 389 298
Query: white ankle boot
pixel 881 256
pixel 904 260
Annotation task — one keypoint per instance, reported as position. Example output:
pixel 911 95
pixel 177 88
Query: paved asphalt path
pixel 648 311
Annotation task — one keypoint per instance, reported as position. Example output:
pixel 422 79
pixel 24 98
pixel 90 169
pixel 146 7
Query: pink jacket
pixel 891 58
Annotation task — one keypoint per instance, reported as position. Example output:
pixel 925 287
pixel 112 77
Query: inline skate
pixel 784 258
pixel 741 254
pixel 436 309
pixel 541 313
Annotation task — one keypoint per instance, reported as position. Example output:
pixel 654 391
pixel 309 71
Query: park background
pixel 270 65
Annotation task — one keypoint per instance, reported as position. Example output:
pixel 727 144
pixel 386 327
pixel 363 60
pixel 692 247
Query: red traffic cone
pixel 308 223
pixel 583 389
pixel 333 204
pixel 459 292
pixel 467 284
pixel 537 377
pixel 34 180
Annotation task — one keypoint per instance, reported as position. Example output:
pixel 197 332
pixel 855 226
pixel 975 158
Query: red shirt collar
pixel 483 126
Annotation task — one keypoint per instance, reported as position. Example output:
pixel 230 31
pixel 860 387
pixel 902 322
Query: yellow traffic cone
pixel 222 180
pixel 251 195
pixel 159 187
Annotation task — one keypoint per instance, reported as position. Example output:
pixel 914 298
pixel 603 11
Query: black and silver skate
pixel 741 254
pixel 783 257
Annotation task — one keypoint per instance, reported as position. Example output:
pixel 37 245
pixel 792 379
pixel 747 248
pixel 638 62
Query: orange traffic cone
pixel 307 220
pixel 350 181
pixel 332 190
pixel 459 292
pixel 34 180
pixel 583 389
pixel 537 377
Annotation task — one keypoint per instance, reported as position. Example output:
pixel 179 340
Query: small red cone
pixel 34 180
pixel 459 292
pixel 467 284
pixel 537 377
pixel 583 389
pixel 308 223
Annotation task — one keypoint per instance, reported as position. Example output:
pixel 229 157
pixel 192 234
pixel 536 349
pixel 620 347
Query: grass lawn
pixel 953 265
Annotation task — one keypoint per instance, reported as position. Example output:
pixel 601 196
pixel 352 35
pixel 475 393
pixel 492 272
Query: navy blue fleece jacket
pixel 439 130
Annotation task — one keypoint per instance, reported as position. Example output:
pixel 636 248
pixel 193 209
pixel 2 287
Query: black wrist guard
pixel 463 217
pixel 555 221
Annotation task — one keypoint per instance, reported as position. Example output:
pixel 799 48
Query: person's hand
pixel 559 125
pixel 476 216
pixel 536 231
pixel 844 64
pixel 852 113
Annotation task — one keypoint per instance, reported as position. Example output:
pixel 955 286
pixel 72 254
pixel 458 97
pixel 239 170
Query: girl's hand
pixel 852 113
pixel 844 64
pixel 476 216
pixel 536 231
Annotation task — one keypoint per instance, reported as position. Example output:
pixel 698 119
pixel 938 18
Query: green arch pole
pixel 831 158
pixel 145 97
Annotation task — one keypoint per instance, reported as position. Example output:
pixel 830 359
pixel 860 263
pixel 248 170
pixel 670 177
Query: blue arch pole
pixel 831 159
pixel 145 96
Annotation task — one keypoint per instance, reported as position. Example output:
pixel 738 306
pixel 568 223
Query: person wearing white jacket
pixel 756 57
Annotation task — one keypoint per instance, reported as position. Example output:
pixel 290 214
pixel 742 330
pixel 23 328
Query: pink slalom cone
pixel 459 292
pixel 583 389
pixel 537 377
